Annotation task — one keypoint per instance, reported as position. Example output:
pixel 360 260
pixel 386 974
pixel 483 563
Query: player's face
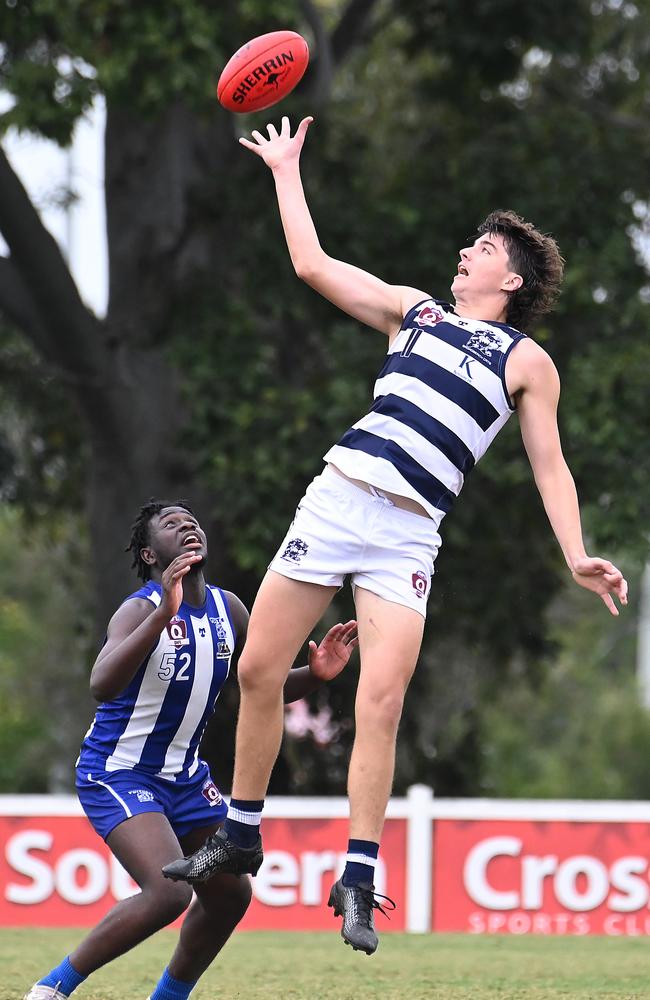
pixel 174 531
pixel 484 269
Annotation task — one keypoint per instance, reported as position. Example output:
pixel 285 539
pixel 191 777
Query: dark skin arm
pixel 134 629
pixel 326 660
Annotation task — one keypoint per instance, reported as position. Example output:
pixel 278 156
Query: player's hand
pixel 603 578
pixel 328 659
pixel 172 581
pixel 280 147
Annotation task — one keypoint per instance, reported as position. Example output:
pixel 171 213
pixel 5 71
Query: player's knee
pixel 226 896
pixel 383 709
pixel 170 899
pixel 238 897
pixel 257 676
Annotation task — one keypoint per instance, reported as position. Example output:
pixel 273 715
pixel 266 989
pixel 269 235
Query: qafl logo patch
pixel 429 316
pixel 420 583
pixel 177 631
pixel 210 792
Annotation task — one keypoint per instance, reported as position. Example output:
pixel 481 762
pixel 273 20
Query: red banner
pixel 526 877
pixel 56 872
pixel 504 875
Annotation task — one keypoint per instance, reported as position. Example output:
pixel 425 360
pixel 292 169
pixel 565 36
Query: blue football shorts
pixel 110 797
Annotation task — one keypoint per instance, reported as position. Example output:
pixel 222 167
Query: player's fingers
pixel 259 138
pixel 607 598
pixel 254 146
pixel 301 131
pixel 312 645
pixel 272 130
pixel 285 128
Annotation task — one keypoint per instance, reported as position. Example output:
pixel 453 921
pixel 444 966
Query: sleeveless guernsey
pixel 155 725
pixel 439 402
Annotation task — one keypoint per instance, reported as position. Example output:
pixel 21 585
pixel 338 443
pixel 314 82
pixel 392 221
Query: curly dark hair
pixel 140 531
pixel 533 255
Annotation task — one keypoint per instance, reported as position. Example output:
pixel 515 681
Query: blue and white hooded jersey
pixel 439 402
pixel 155 725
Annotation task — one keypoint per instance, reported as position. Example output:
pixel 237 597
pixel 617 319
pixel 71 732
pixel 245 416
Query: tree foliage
pixel 216 375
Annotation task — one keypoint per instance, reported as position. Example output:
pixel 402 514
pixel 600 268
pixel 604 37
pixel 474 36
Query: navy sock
pixel 169 988
pixel 360 862
pixel 64 976
pixel 243 821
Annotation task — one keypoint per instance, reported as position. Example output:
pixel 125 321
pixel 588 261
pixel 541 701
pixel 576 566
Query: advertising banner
pixel 56 872
pixel 541 877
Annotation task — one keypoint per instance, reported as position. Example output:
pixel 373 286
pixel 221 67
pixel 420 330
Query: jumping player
pixel 140 779
pixel 452 378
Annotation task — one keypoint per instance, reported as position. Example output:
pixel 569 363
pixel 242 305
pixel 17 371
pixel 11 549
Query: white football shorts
pixel 339 530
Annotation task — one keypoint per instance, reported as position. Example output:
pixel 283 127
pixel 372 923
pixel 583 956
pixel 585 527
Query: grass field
pixel 263 966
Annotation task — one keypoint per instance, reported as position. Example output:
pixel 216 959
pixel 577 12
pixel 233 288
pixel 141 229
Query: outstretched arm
pixel 537 409
pixel 362 295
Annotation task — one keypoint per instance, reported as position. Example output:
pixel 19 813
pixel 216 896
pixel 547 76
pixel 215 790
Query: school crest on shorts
pixel 295 550
pixel 420 583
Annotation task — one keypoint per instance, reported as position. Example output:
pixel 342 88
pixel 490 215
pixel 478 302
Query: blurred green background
pixel 217 377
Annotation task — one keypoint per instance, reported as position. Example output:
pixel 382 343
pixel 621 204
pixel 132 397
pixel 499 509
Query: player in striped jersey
pixel 452 377
pixel 140 779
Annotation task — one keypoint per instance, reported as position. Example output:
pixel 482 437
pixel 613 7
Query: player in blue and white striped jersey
pixel 452 377
pixel 168 651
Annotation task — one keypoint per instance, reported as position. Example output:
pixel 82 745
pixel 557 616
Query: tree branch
pixel 18 306
pixel 332 50
pixel 66 331
pixel 322 72
pixel 349 32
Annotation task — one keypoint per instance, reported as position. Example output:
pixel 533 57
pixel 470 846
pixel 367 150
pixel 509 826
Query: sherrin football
pixel 263 71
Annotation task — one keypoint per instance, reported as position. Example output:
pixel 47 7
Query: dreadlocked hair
pixel 140 532
pixel 533 255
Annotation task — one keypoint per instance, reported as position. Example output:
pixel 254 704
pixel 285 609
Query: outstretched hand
pixel 603 578
pixel 328 659
pixel 280 146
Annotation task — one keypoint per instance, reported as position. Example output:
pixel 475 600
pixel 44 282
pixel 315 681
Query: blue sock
pixel 360 862
pixel 171 989
pixel 64 976
pixel 243 821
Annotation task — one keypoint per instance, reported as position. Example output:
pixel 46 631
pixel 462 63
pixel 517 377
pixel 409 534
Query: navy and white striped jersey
pixel 439 402
pixel 156 724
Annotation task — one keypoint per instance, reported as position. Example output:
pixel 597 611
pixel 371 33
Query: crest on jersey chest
pixel 429 315
pixel 177 631
pixel 221 635
pixel 483 343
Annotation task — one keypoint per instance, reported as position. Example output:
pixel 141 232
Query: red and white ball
pixel 263 71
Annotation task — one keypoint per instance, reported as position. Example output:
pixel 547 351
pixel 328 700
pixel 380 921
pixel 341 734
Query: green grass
pixel 263 966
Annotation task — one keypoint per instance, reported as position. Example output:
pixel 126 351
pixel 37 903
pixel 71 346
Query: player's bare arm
pixel 358 293
pixel 134 628
pixel 326 659
pixel 533 379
